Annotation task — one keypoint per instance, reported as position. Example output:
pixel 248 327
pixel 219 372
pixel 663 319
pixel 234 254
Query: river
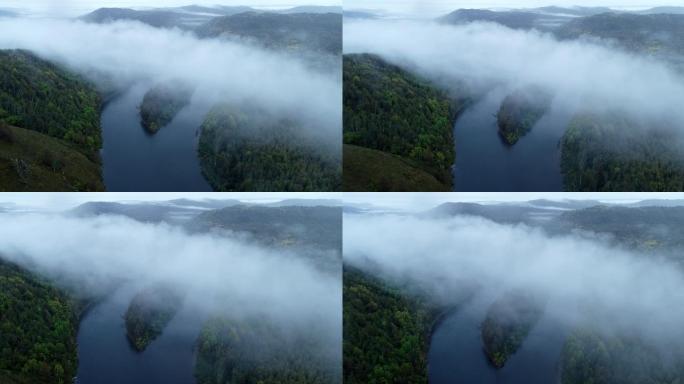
pixel 106 357
pixel 485 163
pixel 134 160
pixel 456 354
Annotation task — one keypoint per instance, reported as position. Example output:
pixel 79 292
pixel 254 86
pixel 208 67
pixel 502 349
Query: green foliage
pixel 256 352
pixel 612 154
pixel 520 111
pixel 38 326
pixel 149 313
pixel 38 95
pixel 31 161
pixel 386 335
pixel 368 170
pixel 508 322
pixel 162 103
pixel 390 110
pixel 244 150
pixel 589 357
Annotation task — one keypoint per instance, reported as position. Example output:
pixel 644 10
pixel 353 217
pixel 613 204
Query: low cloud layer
pixel 582 74
pixel 639 293
pixel 128 52
pixel 221 275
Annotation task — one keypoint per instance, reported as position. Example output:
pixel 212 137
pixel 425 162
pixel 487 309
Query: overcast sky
pixel 61 201
pixel 436 7
pixel 421 201
pixel 77 7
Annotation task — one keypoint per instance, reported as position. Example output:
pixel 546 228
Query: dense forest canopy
pixel 246 149
pixel 390 110
pixel 38 324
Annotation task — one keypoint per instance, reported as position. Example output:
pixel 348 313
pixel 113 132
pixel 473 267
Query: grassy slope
pixel 31 161
pixel 369 170
pixel 390 110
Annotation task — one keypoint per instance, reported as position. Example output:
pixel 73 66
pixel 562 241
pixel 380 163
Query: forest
pixel 386 334
pixel 162 103
pixel 610 153
pixel 149 313
pixel 243 149
pixel 507 323
pixel 254 351
pixel 389 110
pixel 520 111
pixel 39 324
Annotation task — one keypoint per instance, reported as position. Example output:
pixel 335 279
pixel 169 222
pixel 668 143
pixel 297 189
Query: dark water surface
pixel 456 354
pixel 485 163
pixel 133 160
pixel 106 357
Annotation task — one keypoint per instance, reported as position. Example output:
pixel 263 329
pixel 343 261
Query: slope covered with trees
pixel 386 334
pixel 162 103
pixel 390 110
pixel 256 352
pixel 149 313
pixel 520 111
pixel 40 96
pixel 38 324
pixel 612 153
pixel 248 150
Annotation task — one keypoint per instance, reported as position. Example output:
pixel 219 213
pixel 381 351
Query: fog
pixel 584 75
pixel 224 275
pixel 123 53
pixel 584 279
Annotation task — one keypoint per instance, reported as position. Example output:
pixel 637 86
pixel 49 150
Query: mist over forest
pixel 584 97
pixel 252 290
pixel 192 87
pixel 593 287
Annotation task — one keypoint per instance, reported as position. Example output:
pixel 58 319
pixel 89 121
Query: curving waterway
pixel 484 162
pixel 134 160
pixel 106 357
pixel 456 354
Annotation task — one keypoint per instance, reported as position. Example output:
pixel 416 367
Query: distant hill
pixel 319 32
pixel 6 13
pixel 143 212
pixel 307 203
pixel 655 10
pixel 155 18
pixel 511 19
pixel 312 9
pixel 564 204
pixel 359 15
pixel 278 226
pixel 574 11
pixel 654 34
pixel 500 213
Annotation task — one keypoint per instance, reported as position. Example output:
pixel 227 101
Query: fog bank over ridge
pixel 445 255
pixel 583 75
pixel 121 53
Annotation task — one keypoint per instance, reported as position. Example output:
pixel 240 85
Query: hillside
pixel 511 19
pixel 247 150
pixel 39 325
pixel 386 334
pixel 520 111
pixel 255 351
pixel 280 226
pixel 370 170
pixel 296 32
pixel 155 18
pixel 611 153
pixel 31 161
pixel 40 96
pixel 660 35
pixel 390 110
